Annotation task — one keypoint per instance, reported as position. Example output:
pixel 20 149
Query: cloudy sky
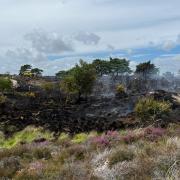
pixel 55 34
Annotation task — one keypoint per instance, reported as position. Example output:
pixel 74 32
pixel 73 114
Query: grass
pixel 151 153
pixel 80 138
pixel 27 135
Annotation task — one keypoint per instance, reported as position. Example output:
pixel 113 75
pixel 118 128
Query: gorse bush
pixel 148 109
pixel 80 138
pixel 120 89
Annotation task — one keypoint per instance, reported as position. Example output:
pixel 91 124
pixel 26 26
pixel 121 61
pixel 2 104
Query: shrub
pixel 9 166
pixel 2 99
pixel 120 89
pixel 80 138
pixel 41 153
pixel 33 171
pixel 30 94
pixel 119 156
pixel 48 86
pixel 148 109
pixel 63 137
pixel 5 84
pixel 152 133
pixel 75 152
pixel 107 139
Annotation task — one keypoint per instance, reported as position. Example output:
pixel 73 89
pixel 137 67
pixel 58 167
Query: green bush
pixel 80 138
pixel 63 137
pixel 5 84
pixel 148 109
pixel 120 89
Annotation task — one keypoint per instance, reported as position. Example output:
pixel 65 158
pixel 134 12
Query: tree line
pixel 80 79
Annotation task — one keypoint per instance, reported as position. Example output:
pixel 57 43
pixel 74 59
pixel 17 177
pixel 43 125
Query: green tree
pixel 146 69
pixel 80 79
pixel 61 74
pixel 101 66
pixel 36 72
pixel 25 68
pixel 119 66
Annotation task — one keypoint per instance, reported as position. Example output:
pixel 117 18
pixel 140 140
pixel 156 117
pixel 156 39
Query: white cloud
pixel 112 24
pixel 171 64
pixel 48 43
pixel 87 38
pixel 168 45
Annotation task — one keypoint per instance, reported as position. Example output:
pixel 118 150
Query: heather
pixel 134 153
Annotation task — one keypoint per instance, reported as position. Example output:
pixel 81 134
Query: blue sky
pixel 55 34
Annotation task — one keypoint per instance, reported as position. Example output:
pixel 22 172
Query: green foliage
pixel 27 135
pixel 61 74
pixel 80 138
pixel 120 89
pixel 5 84
pixel 79 80
pixel 101 66
pixel 63 137
pixel 119 66
pixel 68 85
pixel 114 66
pixel 119 156
pixel 36 72
pixel 157 159
pixel 149 109
pixel 146 69
pixel 25 68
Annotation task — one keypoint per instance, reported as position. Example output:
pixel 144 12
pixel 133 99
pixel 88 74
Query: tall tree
pixel 119 66
pixel 36 72
pixel 24 69
pixel 146 69
pixel 80 79
pixel 102 67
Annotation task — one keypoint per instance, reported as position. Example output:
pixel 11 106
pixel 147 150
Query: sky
pixel 54 34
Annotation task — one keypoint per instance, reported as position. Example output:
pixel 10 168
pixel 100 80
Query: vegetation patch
pixel 27 135
pixel 148 109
